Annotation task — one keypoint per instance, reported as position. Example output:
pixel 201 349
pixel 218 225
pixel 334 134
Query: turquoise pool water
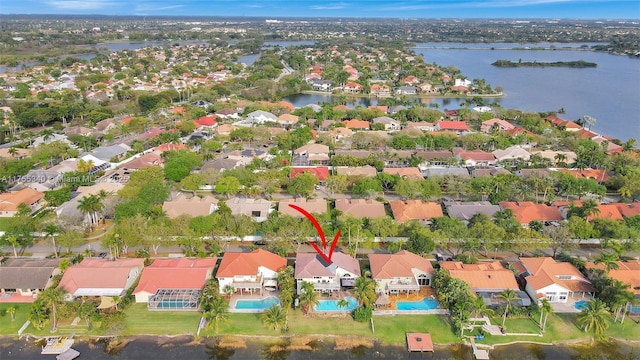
pixel 424 304
pixel 634 309
pixel 257 304
pixel 579 305
pixel 175 304
pixel 332 305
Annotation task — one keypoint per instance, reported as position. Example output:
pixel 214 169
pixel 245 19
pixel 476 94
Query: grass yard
pixel 518 325
pixel 142 321
pixel 8 327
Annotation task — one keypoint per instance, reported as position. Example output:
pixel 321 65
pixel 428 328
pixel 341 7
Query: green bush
pixel 362 314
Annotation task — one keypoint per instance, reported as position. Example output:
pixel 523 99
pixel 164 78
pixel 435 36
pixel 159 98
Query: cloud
pixel 152 7
pixel 334 6
pixel 81 4
pixel 256 6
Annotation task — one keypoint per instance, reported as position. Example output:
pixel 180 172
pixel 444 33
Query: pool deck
pixel 392 309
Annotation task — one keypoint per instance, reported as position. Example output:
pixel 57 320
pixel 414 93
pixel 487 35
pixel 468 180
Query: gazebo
pixel 382 300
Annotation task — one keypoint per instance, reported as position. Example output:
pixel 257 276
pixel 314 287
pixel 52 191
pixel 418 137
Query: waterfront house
pixel 486 279
pixel 628 272
pixel 341 273
pixel 380 90
pixel 174 284
pixel 400 272
pixel 361 208
pixel 257 209
pixel 352 88
pixel 415 210
pixel 10 201
pixel 555 281
pixel 312 206
pixel 406 90
pixel 249 272
pixel 100 277
pixel 21 280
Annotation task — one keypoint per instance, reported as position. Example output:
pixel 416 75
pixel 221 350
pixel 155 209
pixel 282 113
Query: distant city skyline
pixel 548 9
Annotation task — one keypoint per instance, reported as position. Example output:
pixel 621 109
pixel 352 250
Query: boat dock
pixel 419 342
pixel 70 354
pixel 479 354
pixel 58 345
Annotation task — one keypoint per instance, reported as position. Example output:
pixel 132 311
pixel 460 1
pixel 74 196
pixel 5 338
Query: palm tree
pixel 12 312
pixel 589 208
pixel 508 296
pixel 609 260
pixel 546 309
pixel 52 298
pixel 594 317
pixel 51 230
pixel 90 206
pixel 218 313
pixel 229 290
pixel 480 307
pixel 274 317
pixel 13 241
pixel 364 290
pixel 343 303
pixel 308 297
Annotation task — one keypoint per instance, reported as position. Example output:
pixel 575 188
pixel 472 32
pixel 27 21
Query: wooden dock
pixel 57 345
pixel 70 354
pixel 419 342
pixel 479 354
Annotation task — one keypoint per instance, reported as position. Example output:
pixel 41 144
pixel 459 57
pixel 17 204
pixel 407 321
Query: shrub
pixel 362 314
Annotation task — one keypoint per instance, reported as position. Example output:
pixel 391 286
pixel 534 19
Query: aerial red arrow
pixel 315 223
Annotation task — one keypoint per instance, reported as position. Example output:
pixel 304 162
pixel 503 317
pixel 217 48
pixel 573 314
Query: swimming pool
pixel 332 305
pixel 634 309
pixel 257 304
pixel 424 304
pixel 579 305
pixel 176 304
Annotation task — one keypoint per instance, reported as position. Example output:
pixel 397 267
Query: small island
pixel 572 64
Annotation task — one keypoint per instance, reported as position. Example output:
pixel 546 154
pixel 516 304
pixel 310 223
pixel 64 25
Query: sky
pixel 566 9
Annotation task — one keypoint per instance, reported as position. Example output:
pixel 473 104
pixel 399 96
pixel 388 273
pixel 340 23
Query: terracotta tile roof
pixel 405 173
pixel 452 125
pixel 99 274
pixel 598 175
pixel 545 271
pixel 192 206
pixel 312 149
pixel 628 210
pixel 236 263
pixel 313 206
pixel 419 342
pixel 320 172
pixel 482 276
pixel 309 265
pixel 400 264
pixel 628 272
pixel 170 147
pixel 356 124
pixel 288 119
pixel 209 120
pixel 527 211
pixel 10 201
pixel 144 161
pixel 478 155
pixel 414 209
pixel 361 208
pixel 175 274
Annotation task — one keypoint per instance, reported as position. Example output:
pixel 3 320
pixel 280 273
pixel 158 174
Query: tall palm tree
pixel 589 208
pixel 545 309
pixel 51 230
pixel 308 297
pixel 12 312
pixel 609 260
pixel 594 317
pixel 364 290
pixel 52 298
pixel 274 317
pixel 218 313
pixel 480 307
pixel 508 296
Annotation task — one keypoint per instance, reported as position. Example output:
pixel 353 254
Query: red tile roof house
pixel 320 172
pixel 249 272
pixel 207 122
pixel 355 124
pixel 400 272
pixel 415 210
pixel 486 279
pixel 495 123
pixel 556 281
pixel 527 211
pixel 10 201
pixel 405 173
pixel 361 208
pixel 327 278
pixel 174 279
pixel 459 127
pixel 475 157
pixel 100 277
pixel 628 272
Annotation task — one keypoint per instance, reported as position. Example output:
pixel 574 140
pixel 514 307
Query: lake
pixel 610 92
pixel 184 347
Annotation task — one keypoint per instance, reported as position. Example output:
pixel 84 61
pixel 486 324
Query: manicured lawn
pixel 518 325
pixel 142 321
pixel 8 327
pixel 392 329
